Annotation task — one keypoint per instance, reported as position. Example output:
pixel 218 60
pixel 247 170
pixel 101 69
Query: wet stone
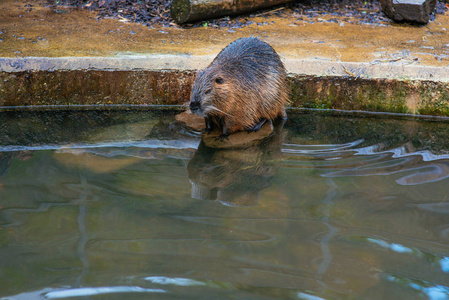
pixel 239 139
pixel 212 139
pixel 408 10
pixel 192 121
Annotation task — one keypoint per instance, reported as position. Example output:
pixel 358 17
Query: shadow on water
pixel 115 203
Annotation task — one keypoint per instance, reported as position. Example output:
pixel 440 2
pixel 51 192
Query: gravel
pixel 156 13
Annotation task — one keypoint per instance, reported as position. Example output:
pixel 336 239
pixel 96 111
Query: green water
pixel 130 204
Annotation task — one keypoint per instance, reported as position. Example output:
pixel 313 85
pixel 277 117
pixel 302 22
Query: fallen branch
pixel 183 11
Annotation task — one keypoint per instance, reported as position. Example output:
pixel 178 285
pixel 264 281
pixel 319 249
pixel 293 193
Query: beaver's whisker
pixel 214 108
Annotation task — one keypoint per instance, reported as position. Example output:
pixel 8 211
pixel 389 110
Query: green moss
pixel 376 98
pixel 315 101
pixel 434 99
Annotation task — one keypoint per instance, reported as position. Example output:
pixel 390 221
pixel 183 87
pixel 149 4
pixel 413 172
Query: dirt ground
pixel 314 30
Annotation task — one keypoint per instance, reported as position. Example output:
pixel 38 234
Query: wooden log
pixel 183 11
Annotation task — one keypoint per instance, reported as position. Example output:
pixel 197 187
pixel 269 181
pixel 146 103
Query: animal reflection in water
pixel 236 176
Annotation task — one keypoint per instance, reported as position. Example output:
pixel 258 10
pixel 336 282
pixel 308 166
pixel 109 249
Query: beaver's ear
pixel 219 80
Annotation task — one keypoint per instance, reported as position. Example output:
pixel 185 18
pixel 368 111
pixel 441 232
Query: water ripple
pixel 432 291
pixel 174 281
pixel 149 144
pixel 49 293
pixel 423 166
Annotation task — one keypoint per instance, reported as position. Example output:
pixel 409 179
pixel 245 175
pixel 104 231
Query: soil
pixel 156 13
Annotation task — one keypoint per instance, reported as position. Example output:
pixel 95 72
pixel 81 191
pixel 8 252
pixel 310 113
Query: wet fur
pixel 244 86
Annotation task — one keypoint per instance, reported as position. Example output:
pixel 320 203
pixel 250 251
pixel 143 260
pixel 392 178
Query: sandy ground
pixel 28 28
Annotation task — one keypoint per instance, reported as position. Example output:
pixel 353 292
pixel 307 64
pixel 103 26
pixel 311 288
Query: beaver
pixel 243 87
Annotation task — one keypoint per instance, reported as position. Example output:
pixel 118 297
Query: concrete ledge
pixel 418 97
pixel 314 67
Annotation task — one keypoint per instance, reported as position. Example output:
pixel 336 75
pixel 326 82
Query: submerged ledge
pixel 395 87
pixel 182 108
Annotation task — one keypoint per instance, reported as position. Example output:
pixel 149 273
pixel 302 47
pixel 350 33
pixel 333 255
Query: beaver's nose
pixel 194 104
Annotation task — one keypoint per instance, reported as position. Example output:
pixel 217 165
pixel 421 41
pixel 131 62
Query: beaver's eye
pixel 207 92
pixel 219 80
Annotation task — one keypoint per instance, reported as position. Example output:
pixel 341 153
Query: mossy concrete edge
pixel 145 81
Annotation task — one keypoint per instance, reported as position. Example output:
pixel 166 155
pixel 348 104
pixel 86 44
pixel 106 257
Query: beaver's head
pixel 210 89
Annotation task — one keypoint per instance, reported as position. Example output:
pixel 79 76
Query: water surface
pixel 131 204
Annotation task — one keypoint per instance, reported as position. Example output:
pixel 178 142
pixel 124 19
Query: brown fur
pixel 244 86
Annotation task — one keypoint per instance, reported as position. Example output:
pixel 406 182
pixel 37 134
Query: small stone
pixel 408 10
pixel 195 122
pixel 239 139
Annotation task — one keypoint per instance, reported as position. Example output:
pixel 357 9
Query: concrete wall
pixel 102 87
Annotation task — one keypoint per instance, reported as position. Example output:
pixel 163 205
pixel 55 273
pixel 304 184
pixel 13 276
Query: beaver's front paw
pixel 256 127
pixel 222 137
